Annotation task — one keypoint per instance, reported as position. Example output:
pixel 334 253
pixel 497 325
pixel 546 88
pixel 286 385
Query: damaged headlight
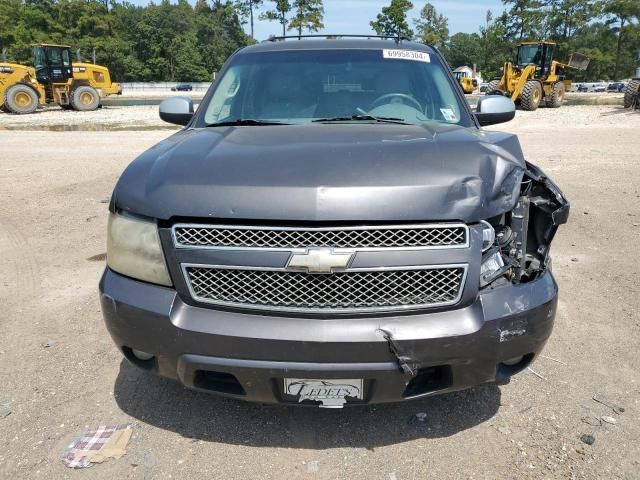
pixel 518 249
pixel 134 250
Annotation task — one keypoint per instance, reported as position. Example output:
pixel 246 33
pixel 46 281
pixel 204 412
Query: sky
pixel 353 16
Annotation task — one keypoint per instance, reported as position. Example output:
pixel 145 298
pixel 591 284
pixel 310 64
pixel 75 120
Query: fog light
pixel 513 361
pixel 144 356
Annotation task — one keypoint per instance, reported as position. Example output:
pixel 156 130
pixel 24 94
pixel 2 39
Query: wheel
pixel 633 88
pixel 20 98
pixel 492 86
pixel 84 98
pixel 531 96
pixel 557 96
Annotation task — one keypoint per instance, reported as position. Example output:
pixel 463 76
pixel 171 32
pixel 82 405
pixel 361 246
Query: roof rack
pixel 274 38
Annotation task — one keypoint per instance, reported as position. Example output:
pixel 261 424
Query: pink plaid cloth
pixel 75 455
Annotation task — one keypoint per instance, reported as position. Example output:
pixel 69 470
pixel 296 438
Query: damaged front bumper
pixel 248 356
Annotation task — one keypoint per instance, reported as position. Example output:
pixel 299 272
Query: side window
pixel 65 58
pixel 445 105
pixel 39 58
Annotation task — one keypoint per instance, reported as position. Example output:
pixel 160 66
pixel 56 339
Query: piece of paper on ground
pixel 97 445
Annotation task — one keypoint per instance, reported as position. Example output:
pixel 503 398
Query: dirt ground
pixel 61 373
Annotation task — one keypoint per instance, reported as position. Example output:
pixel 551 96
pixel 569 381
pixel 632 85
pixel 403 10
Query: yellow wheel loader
pixel 54 79
pixel 468 84
pixel 536 76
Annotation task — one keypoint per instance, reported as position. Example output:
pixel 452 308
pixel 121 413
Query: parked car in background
pixel 599 86
pixel 182 87
pixel 615 87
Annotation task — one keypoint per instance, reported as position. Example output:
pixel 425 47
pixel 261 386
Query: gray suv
pixel 332 227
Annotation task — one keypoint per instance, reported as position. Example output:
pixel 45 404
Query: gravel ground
pixel 107 118
pixel 61 372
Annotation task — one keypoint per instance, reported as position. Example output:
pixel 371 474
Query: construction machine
pixel 468 84
pixel 54 79
pixel 536 76
pixel 632 93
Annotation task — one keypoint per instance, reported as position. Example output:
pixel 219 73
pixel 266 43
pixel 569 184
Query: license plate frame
pixel 331 393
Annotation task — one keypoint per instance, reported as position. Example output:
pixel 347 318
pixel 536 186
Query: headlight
pixel 134 250
pixel 488 236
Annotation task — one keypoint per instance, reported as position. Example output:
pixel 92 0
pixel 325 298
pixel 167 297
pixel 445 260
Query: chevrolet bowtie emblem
pixel 319 260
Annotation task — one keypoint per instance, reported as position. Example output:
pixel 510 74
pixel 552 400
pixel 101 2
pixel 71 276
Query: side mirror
pixel 177 110
pixel 494 109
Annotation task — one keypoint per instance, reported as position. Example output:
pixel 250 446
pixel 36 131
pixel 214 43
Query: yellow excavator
pixel 536 76
pixel 468 84
pixel 54 79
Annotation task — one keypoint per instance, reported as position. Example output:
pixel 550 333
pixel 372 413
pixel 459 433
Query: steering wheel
pixel 381 100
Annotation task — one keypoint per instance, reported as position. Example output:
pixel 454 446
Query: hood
pixel 320 172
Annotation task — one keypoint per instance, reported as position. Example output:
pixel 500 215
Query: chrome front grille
pixel 344 292
pixel 371 237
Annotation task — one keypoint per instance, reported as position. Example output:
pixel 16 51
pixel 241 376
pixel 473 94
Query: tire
pixel 84 98
pixel 492 86
pixel 633 88
pixel 531 96
pixel 557 96
pixel 21 99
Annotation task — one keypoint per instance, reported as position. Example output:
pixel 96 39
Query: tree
pixel 392 21
pixel 526 18
pixel 565 17
pixel 279 14
pixel 496 45
pixel 309 15
pixel 463 49
pixel 621 13
pixel 246 9
pixel 432 27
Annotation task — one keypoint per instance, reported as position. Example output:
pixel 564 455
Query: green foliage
pixel 463 49
pixel 281 9
pixel 432 27
pixel 309 15
pixel 246 11
pixel 606 31
pixel 621 13
pixel 526 18
pixel 160 42
pixel 392 21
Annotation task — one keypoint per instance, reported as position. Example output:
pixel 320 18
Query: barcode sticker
pixel 412 55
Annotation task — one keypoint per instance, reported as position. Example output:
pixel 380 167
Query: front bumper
pixel 247 355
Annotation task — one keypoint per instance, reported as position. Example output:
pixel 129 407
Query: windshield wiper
pixel 367 117
pixel 240 122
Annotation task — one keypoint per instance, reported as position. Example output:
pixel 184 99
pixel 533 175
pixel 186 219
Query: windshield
pixel 297 87
pixel 528 54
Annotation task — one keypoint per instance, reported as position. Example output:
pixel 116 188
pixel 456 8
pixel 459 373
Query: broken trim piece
pixel 406 364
